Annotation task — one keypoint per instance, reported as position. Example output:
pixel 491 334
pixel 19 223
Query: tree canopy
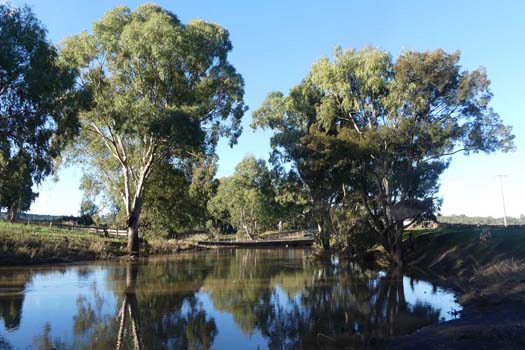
pixel 37 106
pixel 373 134
pixel 176 199
pixel 247 198
pixel 159 91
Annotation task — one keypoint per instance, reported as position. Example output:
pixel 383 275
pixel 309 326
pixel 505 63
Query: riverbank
pixel 489 277
pixel 22 244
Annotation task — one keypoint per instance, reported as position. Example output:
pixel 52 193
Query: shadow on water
pixel 275 299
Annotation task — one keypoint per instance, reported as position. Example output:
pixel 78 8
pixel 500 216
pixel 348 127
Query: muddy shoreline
pixel 104 252
pixel 493 326
pixel 489 279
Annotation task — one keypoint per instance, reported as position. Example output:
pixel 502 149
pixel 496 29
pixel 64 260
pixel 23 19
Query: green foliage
pixel 246 199
pixel 372 134
pixel 88 212
pixel 37 106
pixel 177 197
pixel 291 199
pixel 16 192
pixel 87 207
pixel 159 92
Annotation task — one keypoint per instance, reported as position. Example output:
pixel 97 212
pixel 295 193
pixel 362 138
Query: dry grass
pixel 290 234
pixel 29 244
pixel 490 271
pixel 459 251
pixel 502 281
pixel 171 246
pixel 22 244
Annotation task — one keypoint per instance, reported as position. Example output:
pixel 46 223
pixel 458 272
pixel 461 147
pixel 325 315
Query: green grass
pixel 32 244
pixel 484 272
pixel 460 248
pixel 22 244
pixel 17 230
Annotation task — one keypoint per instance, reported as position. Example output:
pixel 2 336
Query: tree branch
pixel 449 153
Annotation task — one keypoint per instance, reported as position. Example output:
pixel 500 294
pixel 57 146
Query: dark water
pixel 239 299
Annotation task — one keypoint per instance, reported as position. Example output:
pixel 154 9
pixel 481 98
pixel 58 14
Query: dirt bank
pixel 489 277
pixel 500 326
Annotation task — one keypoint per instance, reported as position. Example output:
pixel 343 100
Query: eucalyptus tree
pixel 379 132
pixel 292 205
pixel 16 192
pixel 247 197
pixel 160 91
pixel 37 106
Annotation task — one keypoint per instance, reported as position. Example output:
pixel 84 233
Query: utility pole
pixel 503 198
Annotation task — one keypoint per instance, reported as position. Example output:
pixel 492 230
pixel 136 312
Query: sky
pixel 276 42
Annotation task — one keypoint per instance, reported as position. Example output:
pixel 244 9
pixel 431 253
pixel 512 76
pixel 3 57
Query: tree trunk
pixel 321 215
pixel 133 234
pixel 324 236
pixel 396 248
pixel 12 212
pixel 397 255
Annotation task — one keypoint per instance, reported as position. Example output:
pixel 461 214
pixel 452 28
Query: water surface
pixel 221 299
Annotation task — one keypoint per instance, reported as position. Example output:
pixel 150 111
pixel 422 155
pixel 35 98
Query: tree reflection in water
pixel 12 289
pixel 290 301
pixel 153 313
pixel 13 285
pixel 324 304
pixel 130 309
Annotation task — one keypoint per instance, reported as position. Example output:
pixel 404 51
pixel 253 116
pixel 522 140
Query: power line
pixel 503 197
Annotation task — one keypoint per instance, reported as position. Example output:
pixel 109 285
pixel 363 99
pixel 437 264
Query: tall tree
pixel 384 131
pixel 160 90
pixel 248 197
pixel 291 199
pixel 37 106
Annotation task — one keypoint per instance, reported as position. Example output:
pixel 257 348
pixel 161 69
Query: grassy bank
pixel 459 250
pixel 483 271
pixel 489 277
pixel 22 244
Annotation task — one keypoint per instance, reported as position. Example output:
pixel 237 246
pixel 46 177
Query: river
pixel 217 299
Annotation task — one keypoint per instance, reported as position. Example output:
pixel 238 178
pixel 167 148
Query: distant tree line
pixel 142 100
pixel 480 220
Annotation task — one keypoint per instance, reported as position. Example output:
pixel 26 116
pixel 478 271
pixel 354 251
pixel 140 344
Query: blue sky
pixel 275 43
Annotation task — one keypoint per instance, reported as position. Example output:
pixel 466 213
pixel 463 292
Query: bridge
pixel 260 243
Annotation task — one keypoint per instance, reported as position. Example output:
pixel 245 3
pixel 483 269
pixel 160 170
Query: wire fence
pixel 98 230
